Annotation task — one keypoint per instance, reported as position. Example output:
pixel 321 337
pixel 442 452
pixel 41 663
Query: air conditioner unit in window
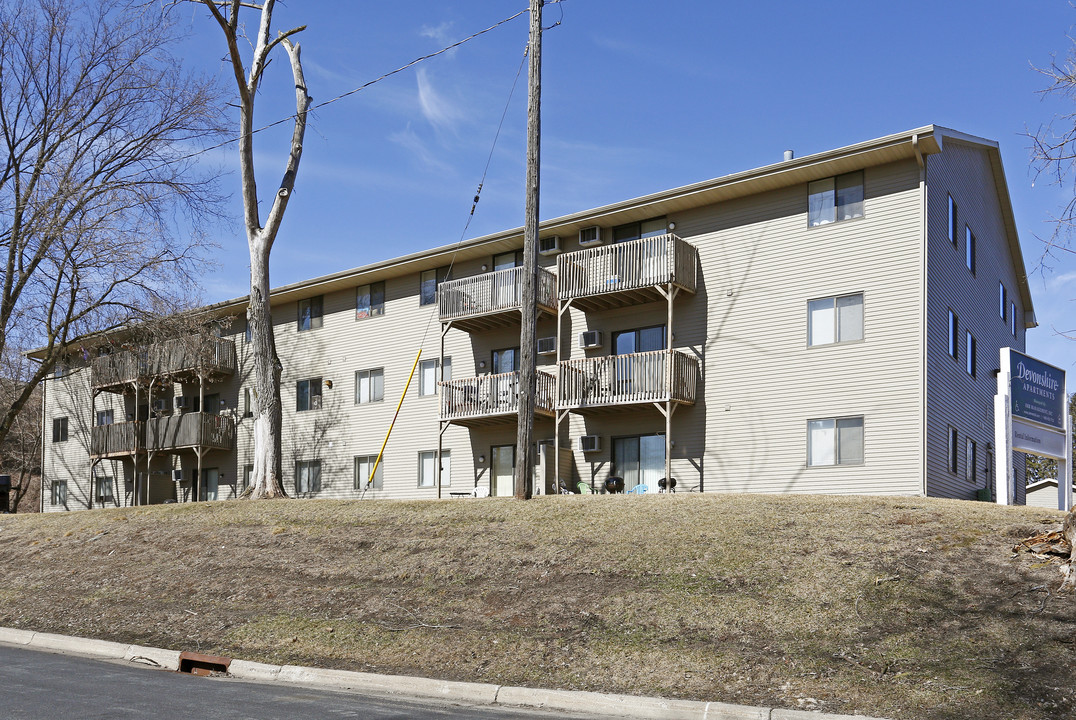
pixel 590 339
pixel 315 402
pixel 590 443
pixel 177 476
pixel 183 402
pixel 590 236
pixel 547 346
pixel 549 245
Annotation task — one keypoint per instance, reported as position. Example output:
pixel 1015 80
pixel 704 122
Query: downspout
pixel 41 491
pixel 923 235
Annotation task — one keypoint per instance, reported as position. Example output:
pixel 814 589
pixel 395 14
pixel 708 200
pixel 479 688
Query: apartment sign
pixel 1037 391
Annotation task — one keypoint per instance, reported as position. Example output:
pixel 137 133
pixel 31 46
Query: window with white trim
pixel 427 468
pixel 428 282
pixel 835 320
pixel 370 300
pixel 59 492
pixel 369 386
pixel 307 477
pixel 835 441
pixel 59 429
pixel 104 489
pixel 310 312
pixel 105 417
pixel 363 465
pixel 834 199
pixel 428 378
pixel 969 459
pixel 308 395
pixel 951 454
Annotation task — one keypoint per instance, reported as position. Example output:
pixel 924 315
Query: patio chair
pixel 638 490
pixel 584 489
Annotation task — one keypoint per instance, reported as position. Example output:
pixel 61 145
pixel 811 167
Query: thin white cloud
pixel 440 33
pixel 410 141
pixel 438 110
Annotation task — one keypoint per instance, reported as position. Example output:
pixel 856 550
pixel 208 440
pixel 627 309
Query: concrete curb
pixel 466 693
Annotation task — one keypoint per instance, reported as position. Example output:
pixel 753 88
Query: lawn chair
pixel 583 488
pixel 638 490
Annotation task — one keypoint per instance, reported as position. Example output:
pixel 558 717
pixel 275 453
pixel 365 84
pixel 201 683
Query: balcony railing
pixel 493 292
pixel 126 438
pixel 192 354
pixel 118 368
pixel 632 265
pixel 492 395
pixel 194 429
pixel 627 379
pixel 210 355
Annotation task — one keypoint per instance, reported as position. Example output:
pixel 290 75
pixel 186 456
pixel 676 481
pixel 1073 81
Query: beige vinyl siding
pixel 760 265
pixel 954 397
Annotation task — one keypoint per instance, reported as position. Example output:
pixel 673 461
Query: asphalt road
pixel 42 686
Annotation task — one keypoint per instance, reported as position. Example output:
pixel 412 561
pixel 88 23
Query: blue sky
pixel 637 97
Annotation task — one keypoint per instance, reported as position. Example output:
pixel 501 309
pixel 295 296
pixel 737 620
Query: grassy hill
pixel 898 607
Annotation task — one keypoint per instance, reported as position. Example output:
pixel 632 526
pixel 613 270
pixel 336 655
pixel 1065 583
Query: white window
pixel 370 300
pixel 59 492
pixel 952 220
pixel 309 313
pixel 427 468
pixel 969 249
pixel 104 489
pixel 834 199
pixel 427 378
pixel 59 429
pixel 363 465
pixel 248 406
pixel 969 460
pixel 969 353
pixel 104 417
pixel 835 320
pixel 952 449
pixel 954 335
pixel 308 395
pixel 369 386
pixel 428 282
pixel 307 477
pixel 835 441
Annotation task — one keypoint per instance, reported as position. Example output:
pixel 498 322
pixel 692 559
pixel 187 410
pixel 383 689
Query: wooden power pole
pixel 528 304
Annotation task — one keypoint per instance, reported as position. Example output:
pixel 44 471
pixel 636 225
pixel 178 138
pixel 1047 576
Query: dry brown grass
pixel 900 607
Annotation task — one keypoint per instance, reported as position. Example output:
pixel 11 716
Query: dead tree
pixel 97 122
pixel 267 478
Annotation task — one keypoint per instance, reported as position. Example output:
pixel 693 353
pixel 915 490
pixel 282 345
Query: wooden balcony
pixel 117 439
pixel 489 399
pixel 210 356
pixel 492 299
pixel 213 357
pixel 633 379
pixel 626 273
pixel 190 430
pixel 117 370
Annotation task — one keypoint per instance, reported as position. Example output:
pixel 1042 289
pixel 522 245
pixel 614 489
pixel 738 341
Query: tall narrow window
pixel 427 468
pixel 952 449
pixel 59 429
pixel 363 465
pixel 969 249
pixel 307 477
pixel 248 406
pixel 834 199
pixel 835 320
pixel 835 441
pixel 310 313
pixel 952 221
pixel 1003 300
pixel 954 335
pixel 308 395
pixel 969 351
pixel 969 460
pixel 104 489
pixel 428 282
pixel 1012 318
pixel 369 386
pixel 370 300
pixel 59 492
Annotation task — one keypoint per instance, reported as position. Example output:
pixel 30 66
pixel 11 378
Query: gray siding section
pixel 955 398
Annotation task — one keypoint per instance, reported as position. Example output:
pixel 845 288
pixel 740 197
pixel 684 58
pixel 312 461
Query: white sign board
pixel 1031 415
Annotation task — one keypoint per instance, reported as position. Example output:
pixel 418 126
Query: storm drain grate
pixel 198 664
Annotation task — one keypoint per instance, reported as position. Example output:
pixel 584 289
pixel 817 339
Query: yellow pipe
pixel 377 462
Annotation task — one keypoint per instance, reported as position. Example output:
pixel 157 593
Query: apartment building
pixel 825 324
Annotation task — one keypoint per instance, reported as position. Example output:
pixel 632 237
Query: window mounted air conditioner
pixel 547 346
pixel 590 339
pixel 177 476
pixel 315 402
pixel 590 236
pixel 590 443
pixel 549 245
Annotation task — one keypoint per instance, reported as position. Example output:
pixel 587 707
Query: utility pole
pixel 528 304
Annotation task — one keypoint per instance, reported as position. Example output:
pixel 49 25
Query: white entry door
pixel 502 467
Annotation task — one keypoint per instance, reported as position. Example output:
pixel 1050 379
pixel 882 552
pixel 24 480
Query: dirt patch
pixel 909 608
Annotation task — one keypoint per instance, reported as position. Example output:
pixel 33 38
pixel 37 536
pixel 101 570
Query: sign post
pixel 1031 415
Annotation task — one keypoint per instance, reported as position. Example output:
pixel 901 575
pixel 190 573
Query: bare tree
pixel 20 452
pixel 100 198
pixel 267 480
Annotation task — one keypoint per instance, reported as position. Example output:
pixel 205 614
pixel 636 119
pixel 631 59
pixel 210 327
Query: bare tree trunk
pixel 267 480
